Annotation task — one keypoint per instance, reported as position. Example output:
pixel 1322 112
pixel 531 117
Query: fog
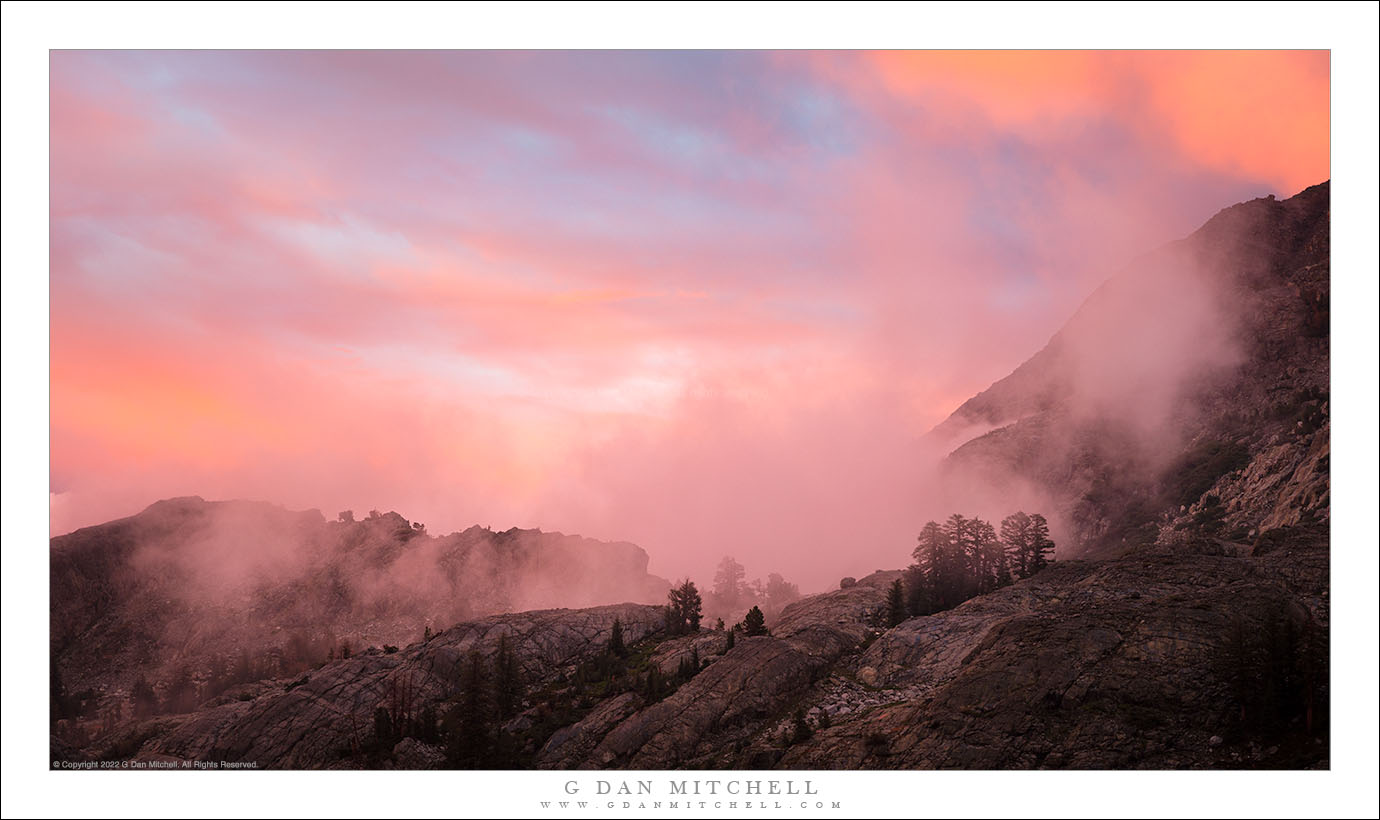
pixel 707 304
pixel 230 592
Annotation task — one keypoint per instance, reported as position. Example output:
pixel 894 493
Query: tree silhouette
pixel 965 557
pixel 683 612
pixel 917 592
pixel 895 604
pixel 780 591
pixel 469 720
pixel 728 582
pixel 654 687
pixel 616 645
pixel 508 687
pixel 1015 537
pixel 1041 547
pixel 755 623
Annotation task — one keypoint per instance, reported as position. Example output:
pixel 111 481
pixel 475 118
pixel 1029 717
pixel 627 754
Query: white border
pixel 30 29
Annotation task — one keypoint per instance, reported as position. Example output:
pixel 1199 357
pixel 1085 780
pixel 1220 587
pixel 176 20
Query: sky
pixel 708 302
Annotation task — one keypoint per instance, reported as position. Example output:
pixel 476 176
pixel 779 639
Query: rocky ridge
pixel 218 594
pixel 1236 434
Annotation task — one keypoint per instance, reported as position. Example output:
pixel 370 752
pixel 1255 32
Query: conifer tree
pixel 684 610
pixel 755 623
pixel 616 645
pixel 654 687
pixel 1015 538
pixel 508 687
pixel 728 583
pixel 895 604
pixel 1041 547
pixel 917 592
pixel 469 721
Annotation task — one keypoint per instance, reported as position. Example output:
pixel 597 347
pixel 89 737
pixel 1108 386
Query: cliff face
pixel 198 595
pixel 1191 387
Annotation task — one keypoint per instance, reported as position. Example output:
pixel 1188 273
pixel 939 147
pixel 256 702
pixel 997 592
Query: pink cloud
pixel 705 301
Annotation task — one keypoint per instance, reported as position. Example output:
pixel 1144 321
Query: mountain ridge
pixel 1241 302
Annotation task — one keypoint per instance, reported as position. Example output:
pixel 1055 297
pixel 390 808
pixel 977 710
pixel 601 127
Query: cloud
pixel 659 296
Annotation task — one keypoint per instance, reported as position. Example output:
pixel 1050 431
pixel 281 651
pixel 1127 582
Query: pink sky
pixel 707 302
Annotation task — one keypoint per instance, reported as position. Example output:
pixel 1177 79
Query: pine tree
pixel 989 559
pixel 469 720
pixel 729 644
pixel 728 583
pixel 895 604
pixel 1041 547
pixel 684 610
pixel 508 687
pixel 943 553
pixel 1015 538
pixel 780 592
pixel 693 606
pixel 917 592
pixel 654 687
pixel 616 645
pixel 755 623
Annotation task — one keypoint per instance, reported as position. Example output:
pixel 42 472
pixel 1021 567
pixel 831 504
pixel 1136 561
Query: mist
pixel 599 294
pixel 220 593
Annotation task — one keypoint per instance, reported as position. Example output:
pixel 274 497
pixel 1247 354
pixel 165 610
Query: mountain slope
pixel 1180 386
pixel 195 596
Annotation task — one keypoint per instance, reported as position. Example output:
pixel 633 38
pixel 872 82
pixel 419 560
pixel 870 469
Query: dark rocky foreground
pixel 1206 656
